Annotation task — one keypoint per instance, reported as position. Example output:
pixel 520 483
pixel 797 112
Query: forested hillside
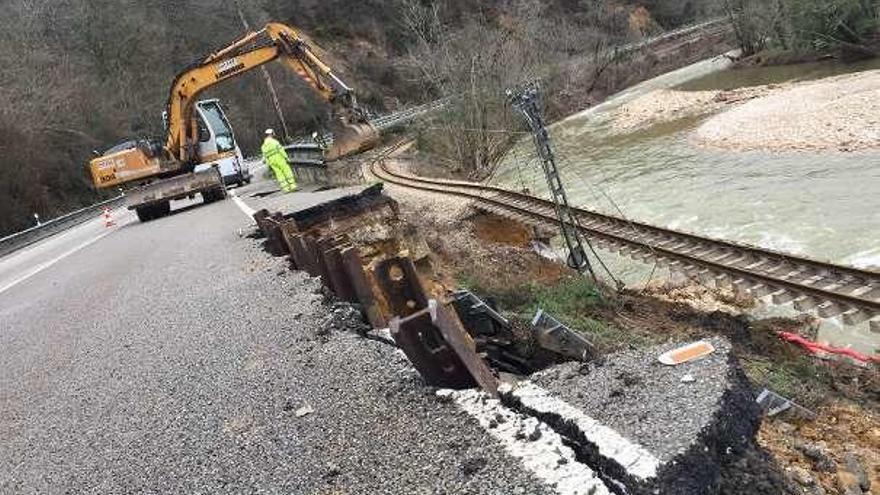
pixel 81 75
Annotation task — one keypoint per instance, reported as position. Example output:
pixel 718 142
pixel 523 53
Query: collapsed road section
pixel 583 423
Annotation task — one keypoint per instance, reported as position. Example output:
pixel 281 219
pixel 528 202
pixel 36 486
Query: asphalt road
pixel 19 266
pixel 176 357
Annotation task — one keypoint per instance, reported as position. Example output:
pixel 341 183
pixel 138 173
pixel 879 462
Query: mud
pixel 840 428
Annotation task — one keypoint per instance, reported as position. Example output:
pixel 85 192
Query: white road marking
pixel 636 459
pixel 540 449
pixel 39 268
pixel 247 210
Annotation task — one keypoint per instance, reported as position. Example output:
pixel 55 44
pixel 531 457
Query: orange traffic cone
pixel 108 220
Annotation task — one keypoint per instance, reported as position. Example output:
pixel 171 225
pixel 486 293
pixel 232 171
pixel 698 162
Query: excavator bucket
pixel 351 139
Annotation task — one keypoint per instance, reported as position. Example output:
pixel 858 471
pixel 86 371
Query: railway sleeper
pixel 855 317
pixel 830 309
pixel 805 303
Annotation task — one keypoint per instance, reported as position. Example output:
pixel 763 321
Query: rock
pixel 472 465
pixel 444 395
pixel 332 471
pixel 786 428
pixel 535 434
pixel 304 411
pixel 801 476
pixel 343 317
pixel 688 379
pixel 815 490
pixel 848 483
pixel 853 464
pixel 822 461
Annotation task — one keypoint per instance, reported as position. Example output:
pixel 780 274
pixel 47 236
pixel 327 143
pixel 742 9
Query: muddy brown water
pixel 822 205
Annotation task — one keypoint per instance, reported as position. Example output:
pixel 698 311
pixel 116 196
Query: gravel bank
pixel 834 114
pixel 667 105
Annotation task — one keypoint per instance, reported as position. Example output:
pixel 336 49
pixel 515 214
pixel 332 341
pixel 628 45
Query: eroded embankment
pixel 710 415
pixel 492 257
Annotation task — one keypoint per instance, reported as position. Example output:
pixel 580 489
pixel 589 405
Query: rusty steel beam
pixel 354 268
pixel 341 284
pixel 397 279
pixel 454 333
pixel 431 356
pixel 288 233
pixel 298 252
pixel 269 225
pixel 260 219
pixel 345 211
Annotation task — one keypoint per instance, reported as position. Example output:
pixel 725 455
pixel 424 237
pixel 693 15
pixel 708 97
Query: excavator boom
pixel 274 41
pixel 179 154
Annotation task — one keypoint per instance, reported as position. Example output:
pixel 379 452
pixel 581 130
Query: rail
pixel 828 290
pixel 19 240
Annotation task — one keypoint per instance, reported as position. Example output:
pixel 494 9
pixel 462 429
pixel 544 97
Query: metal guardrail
pixel 14 242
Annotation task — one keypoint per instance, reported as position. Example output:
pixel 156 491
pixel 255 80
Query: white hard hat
pixel 269 132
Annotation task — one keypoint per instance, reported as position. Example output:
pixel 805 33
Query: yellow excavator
pixel 155 173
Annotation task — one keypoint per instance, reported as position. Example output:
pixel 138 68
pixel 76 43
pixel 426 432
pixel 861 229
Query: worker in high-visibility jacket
pixel 276 158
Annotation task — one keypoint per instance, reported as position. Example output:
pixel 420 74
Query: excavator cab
pixel 217 145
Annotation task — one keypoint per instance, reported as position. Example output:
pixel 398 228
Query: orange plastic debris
pixel 687 353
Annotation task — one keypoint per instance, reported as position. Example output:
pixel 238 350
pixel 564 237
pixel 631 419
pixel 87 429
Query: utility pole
pixel 528 104
pixel 268 79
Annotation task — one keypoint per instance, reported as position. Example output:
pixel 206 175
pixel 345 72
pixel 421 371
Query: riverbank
pixel 836 114
pixel 833 114
pixel 667 105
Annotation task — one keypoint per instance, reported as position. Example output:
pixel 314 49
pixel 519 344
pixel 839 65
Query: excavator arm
pixel 351 130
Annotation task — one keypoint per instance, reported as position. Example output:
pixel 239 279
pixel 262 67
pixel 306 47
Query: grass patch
pixel 573 300
pixel 801 380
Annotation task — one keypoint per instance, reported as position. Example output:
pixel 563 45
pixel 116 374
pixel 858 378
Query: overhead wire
pixel 595 189
pixel 533 163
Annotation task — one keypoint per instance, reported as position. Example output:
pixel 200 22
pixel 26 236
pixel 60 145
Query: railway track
pixel 825 289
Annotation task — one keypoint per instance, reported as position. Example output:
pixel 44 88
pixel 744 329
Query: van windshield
pixel 216 121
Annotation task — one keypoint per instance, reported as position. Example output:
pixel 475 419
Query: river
pixel 822 205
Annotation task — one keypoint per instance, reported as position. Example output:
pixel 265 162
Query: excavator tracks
pixel 824 289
